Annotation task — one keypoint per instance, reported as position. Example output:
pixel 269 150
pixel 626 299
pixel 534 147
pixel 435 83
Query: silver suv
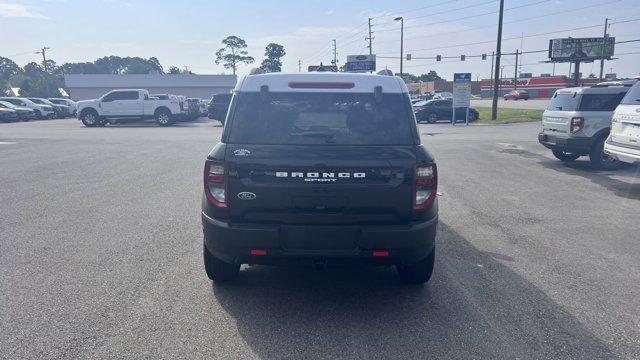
pixel 577 122
pixel 624 141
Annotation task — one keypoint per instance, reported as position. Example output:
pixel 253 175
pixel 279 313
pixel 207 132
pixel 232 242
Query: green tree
pixel 174 70
pixel 273 61
pixel 233 53
pixel 8 68
pixel 137 66
pixel 430 76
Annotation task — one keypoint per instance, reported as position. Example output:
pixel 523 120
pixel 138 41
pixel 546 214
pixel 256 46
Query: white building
pixel 91 86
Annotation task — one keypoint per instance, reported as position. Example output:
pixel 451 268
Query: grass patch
pixel 507 116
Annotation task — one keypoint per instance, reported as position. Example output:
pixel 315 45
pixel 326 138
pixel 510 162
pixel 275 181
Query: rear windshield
pixel 322 118
pixel 564 102
pixel 633 96
pixel 600 102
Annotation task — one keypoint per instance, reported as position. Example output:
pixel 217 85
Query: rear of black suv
pixel 320 172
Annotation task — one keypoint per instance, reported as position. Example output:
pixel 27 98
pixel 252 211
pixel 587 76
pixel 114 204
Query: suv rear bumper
pixel 623 153
pixel 406 244
pixel 580 145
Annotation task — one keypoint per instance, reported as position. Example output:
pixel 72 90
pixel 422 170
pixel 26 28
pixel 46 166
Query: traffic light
pixel 462 57
pixel 438 57
pixel 484 56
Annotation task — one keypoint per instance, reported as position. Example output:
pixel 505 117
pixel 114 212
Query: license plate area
pixel 308 238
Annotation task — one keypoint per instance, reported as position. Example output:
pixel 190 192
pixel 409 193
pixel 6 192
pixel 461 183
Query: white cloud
pixel 13 10
pixel 328 12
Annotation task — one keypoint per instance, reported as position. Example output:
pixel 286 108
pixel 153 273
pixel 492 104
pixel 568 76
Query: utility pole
pixel 515 73
pixel 370 38
pixel 494 105
pixel 44 64
pixel 604 46
pixel 335 54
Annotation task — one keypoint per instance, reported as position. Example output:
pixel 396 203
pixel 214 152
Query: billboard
pixel 581 49
pixel 361 63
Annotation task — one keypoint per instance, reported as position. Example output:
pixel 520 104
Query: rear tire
pixel 218 270
pixel 432 118
pixel 600 160
pixel 418 273
pixel 163 118
pixel 565 156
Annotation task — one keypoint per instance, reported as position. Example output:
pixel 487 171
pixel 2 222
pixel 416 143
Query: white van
pixel 624 139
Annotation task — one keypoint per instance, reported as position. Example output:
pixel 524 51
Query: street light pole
pixel 401 19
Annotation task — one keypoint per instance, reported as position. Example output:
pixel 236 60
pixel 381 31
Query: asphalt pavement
pixel 101 257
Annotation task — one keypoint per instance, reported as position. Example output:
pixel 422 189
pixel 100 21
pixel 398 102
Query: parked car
pixel 7 114
pixel 194 108
pixel 42 111
pixel 293 179
pixel 443 95
pixel 73 107
pixel 434 110
pixel 127 105
pixel 218 107
pixel 517 95
pixel 61 111
pixel 24 114
pixel 623 143
pixel 578 120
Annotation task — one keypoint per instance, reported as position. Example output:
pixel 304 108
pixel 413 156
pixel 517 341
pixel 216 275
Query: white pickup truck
pixel 126 105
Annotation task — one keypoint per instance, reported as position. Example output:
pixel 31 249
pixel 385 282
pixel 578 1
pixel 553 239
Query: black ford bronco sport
pixel 321 169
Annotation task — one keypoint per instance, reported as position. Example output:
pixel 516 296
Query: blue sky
pixel 187 33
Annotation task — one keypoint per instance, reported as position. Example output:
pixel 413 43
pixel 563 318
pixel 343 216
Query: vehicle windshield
pixel 321 118
pixel 564 102
pixel 633 95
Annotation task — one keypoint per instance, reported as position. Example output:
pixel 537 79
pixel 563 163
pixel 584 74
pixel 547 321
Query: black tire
pixel 163 117
pixel 600 160
pixel 218 270
pixel 418 273
pixel 472 117
pixel 565 156
pixel 432 118
pixel 90 118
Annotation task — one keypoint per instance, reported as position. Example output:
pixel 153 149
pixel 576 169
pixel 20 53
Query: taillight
pixel 425 185
pixel 215 183
pixel 577 123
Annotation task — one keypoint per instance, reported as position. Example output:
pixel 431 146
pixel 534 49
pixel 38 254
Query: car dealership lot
pixel 101 257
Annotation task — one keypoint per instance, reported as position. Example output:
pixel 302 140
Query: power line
pixel 506 39
pixel 444 12
pixel 472 16
pixel 546 15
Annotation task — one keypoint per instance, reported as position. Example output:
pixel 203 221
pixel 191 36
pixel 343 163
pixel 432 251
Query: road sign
pixel 361 63
pixel 461 89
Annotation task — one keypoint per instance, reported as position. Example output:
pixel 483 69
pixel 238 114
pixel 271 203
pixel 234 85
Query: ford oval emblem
pixel 245 195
